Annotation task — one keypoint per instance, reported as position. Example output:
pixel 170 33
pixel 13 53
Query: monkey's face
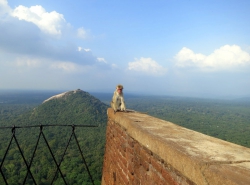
pixel 119 91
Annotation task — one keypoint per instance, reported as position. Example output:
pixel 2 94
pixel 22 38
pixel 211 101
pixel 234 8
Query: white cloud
pixel 27 62
pixel 87 50
pixel 80 49
pixel 101 60
pixel 226 57
pixel 114 66
pixel 3 2
pixel 147 65
pixel 48 22
pixel 82 33
pixel 65 66
pixel 4 7
pixel 22 25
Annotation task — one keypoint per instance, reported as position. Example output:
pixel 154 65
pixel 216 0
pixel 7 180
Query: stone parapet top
pixel 200 158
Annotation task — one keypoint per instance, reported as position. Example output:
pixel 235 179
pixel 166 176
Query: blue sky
pixel 167 47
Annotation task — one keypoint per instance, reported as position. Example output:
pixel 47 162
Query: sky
pixel 160 47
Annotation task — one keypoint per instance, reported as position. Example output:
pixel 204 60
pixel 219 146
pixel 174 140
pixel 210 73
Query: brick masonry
pixel 128 162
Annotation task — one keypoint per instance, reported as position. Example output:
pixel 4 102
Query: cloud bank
pixel 48 22
pixel 147 66
pixel 225 58
pixel 33 32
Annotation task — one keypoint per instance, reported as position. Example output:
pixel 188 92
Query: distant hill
pixel 73 107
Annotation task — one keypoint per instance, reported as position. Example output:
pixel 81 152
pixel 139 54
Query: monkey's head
pixel 119 88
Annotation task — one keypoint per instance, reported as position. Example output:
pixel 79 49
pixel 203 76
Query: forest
pixel 225 119
pixel 76 108
pixel 228 120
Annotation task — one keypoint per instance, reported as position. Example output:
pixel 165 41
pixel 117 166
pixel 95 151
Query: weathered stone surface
pixel 181 155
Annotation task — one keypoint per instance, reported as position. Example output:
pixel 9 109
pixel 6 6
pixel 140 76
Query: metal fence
pixel 29 161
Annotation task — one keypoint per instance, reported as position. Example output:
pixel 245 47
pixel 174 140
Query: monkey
pixel 118 103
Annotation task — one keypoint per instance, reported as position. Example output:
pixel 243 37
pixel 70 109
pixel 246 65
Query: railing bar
pixel 30 126
pixel 29 164
pixel 83 157
pixel 63 155
pixel 53 157
pixel 24 159
pixel 4 177
pixel 32 157
pixel 6 152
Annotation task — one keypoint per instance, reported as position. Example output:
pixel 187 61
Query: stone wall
pixel 143 150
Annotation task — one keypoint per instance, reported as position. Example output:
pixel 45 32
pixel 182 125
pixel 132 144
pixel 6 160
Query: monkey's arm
pixel 123 105
pixel 113 103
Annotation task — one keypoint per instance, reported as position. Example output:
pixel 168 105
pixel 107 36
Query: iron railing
pixel 28 162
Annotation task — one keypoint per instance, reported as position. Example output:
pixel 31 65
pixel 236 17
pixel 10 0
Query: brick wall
pixel 131 157
pixel 128 162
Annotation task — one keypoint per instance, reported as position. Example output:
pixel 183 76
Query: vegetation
pixel 74 108
pixel 228 120
pixel 225 119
